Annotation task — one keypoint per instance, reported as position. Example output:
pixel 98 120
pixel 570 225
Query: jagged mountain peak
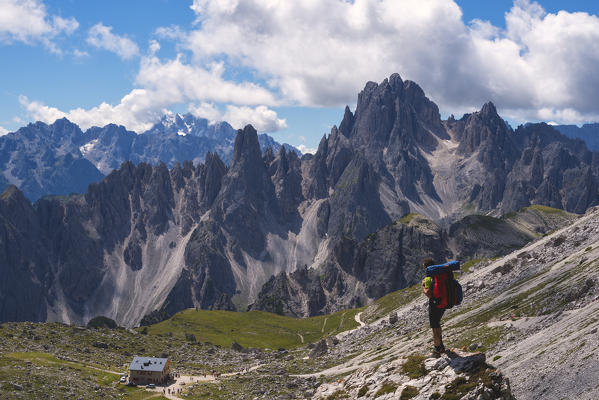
pixel 183 125
pixel 347 123
pixel 489 116
pixel 12 194
pixel 247 148
pixel 489 109
pixel 59 130
pixel 394 113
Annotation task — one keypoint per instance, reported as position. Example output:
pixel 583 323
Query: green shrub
pixel 408 392
pixel 414 366
pixel 102 322
pixel 363 390
pixel 388 387
pixel 339 394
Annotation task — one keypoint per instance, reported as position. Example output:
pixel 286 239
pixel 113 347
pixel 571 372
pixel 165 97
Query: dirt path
pixel 82 364
pixel 184 381
pixel 324 324
pixel 104 370
pixel 358 320
pixel 301 337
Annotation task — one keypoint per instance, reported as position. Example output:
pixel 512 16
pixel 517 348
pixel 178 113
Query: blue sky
pixel 289 69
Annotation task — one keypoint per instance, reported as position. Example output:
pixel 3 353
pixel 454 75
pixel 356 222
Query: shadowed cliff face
pixel 152 239
pixel 24 267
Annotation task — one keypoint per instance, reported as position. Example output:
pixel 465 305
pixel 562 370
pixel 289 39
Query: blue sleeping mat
pixel 432 270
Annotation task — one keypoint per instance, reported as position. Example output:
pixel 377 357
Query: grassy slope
pixel 386 304
pixel 44 373
pixel 254 328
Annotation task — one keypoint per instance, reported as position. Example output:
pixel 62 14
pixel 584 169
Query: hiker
pixel 434 312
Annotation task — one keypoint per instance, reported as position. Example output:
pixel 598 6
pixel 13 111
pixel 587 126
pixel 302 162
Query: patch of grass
pixel 254 328
pixel 386 304
pixel 504 308
pixel 463 384
pixel 43 375
pixel 436 395
pixel 414 366
pixel 377 358
pixel 363 390
pixel 497 357
pixel 545 209
pixel 470 263
pixel 482 334
pixel 130 393
pixel 388 387
pixel 487 222
pixel 407 218
pixel 408 392
pixel 49 360
pixel 102 322
pixel 339 394
pixel 458 388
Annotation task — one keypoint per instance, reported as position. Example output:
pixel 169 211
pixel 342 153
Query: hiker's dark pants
pixel 434 315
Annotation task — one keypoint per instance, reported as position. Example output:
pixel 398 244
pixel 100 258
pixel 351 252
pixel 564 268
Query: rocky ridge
pixel 60 158
pixel 389 259
pixel 458 375
pixel 153 240
pixel 528 311
pixel 586 132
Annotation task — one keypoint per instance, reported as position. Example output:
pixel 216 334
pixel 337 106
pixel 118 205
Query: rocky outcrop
pixel 457 375
pixel 485 137
pixel 552 170
pixel 482 236
pixel 390 259
pixel 357 272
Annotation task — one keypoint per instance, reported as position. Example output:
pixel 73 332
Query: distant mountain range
pixel 588 132
pixel 59 158
pixel 392 184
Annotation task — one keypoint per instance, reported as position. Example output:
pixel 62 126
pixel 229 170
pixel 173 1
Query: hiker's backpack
pixel 447 292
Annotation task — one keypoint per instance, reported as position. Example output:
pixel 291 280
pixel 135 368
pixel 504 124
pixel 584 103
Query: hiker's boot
pixel 438 351
pixel 435 353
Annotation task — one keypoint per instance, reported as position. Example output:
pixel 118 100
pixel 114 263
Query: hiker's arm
pixel 427 292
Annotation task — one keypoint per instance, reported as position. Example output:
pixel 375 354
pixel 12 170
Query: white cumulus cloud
pixel 101 36
pixel 206 110
pixel 261 117
pixel 164 84
pixel 3 131
pixel 306 150
pixel 27 21
pixel 183 82
pixel 541 66
pixel 137 111
pixel 320 53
